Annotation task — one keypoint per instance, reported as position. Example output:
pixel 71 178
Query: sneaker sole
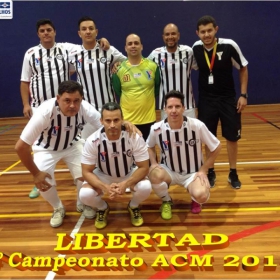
pixel 237 188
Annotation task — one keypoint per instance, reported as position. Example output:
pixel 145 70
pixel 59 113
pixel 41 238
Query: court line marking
pixel 232 238
pixel 225 209
pixel 51 275
pixel 7 172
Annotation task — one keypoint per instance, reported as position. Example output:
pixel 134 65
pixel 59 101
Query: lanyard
pixel 212 59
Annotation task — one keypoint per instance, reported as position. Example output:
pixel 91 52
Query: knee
pixel 201 196
pixel 156 176
pixel 144 187
pixel 87 195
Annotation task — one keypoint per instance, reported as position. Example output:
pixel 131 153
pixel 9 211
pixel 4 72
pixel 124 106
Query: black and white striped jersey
pixel 45 69
pixel 228 54
pixel 175 69
pixel 50 129
pixel 181 149
pixel 93 72
pixel 114 158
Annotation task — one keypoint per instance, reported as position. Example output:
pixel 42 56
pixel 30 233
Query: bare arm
pixel 24 152
pixel 95 182
pixel 140 173
pixel 24 91
pixel 243 77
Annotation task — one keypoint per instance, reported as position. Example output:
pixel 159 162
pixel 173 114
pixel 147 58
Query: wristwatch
pixel 245 95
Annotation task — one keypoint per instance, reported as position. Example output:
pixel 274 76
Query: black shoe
pixel 212 178
pixel 234 181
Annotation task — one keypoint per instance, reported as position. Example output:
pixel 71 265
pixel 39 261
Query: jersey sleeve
pixel 157 81
pixel 208 138
pixel 36 125
pixel 151 140
pixel 238 60
pixel 151 56
pixel 26 71
pixel 90 151
pixel 118 56
pixel 91 115
pixel 140 149
pixel 116 84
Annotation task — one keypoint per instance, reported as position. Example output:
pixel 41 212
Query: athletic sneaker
pixel 135 216
pixel 166 210
pixel 88 212
pixel 34 193
pixel 57 217
pixel 101 218
pixel 212 178
pixel 234 181
pixel 195 207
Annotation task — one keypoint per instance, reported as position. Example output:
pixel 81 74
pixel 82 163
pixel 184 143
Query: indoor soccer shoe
pixel 135 216
pixel 166 210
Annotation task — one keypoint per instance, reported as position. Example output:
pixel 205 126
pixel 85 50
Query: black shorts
pixel 211 110
pixel 145 129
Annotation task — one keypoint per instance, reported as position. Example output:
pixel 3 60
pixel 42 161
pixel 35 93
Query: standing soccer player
pixel 175 64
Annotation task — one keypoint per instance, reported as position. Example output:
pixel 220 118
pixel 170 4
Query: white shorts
pixel 46 160
pixel 179 179
pixel 187 113
pixel 107 179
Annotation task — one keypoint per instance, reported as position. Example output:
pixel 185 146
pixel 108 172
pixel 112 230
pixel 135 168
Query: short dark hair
pixel 111 106
pixel 85 18
pixel 176 94
pixel 70 87
pixel 44 21
pixel 205 20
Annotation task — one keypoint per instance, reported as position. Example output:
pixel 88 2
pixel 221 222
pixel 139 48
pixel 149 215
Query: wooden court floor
pixel 246 220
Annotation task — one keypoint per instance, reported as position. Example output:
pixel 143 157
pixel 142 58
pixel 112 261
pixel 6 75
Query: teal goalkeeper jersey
pixel 137 86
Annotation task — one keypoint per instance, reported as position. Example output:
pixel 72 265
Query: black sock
pixel 211 170
pixel 232 170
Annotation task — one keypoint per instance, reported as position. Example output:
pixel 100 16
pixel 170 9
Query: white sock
pixel 142 191
pixel 91 198
pixel 52 198
pixel 161 190
pixel 79 186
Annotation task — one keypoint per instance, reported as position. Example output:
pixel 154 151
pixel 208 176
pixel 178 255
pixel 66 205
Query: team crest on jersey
pixel 149 73
pixel 192 142
pixel 103 156
pixel 37 61
pixel 79 63
pixel 90 60
pixel 104 60
pixel 219 55
pixel 115 154
pixel 165 145
pixel 68 128
pixel 55 130
pixel 162 62
pixel 126 78
pixel 128 153
pixel 185 60
pixel 59 56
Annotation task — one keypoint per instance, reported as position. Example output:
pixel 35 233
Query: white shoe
pixel 57 217
pixel 88 212
pixel 127 190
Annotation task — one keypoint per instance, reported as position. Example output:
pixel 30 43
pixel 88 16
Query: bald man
pixel 137 83
pixel 175 63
